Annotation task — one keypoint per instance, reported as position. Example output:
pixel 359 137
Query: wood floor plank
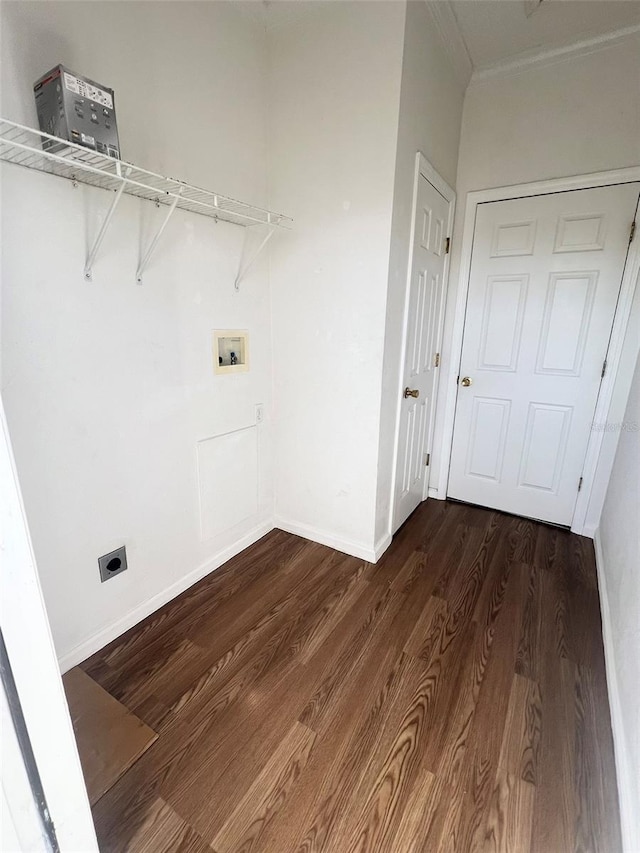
pixel 325 829
pixel 596 801
pixel 529 651
pixel 449 747
pixel 428 628
pixel 465 583
pixel 244 830
pixel 450 698
pixel 160 830
pixel 521 738
pixel 371 638
pixel 449 664
pixel 562 593
pixel 526 533
pixel 469 810
pixel 491 595
pixel 386 786
pixel 243 611
pixel 310 812
pixel 247 651
pixel 447 540
pixel 168 679
pixel 465 826
pixel 554 817
pixel 510 815
pixel 396 778
pixel 412 574
pixel 584 629
pixel 550 550
pixel 454 553
pixel 393 768
pixel 421 821
pixel 583 561
pixel 493 699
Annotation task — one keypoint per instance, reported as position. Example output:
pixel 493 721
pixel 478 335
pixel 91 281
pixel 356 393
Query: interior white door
pixel 421 359
pixel 545 278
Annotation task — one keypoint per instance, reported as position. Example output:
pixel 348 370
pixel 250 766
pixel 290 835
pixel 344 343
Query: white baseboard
pixel 354 549
pixel 435 493
pixel 623 771
pixel 381 546
pixel 110 632
pixel 587 530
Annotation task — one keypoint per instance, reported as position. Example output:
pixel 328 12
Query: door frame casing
pixel 35 670
pixel 591 477
pixel 425 168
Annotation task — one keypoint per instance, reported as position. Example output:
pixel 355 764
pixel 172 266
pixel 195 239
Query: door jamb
pixel 614 351
pixel 427 170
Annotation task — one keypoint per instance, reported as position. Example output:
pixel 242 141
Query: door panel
pixel 544 283
pixel 424 324
pixel 567 316
pixel 489 422
pixel 512 239
pixel 545 444
pixel 502 322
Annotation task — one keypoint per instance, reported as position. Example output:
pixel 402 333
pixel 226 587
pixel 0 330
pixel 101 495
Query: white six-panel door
pixel 424 329
pixel 545 278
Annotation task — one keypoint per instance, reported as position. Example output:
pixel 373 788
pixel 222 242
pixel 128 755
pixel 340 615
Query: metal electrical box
pixel 77 109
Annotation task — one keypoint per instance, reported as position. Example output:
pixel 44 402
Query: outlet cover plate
pixel 112 564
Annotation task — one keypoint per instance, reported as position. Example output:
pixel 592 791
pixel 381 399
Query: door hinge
pixel 579 483
pixel 632 231
pixel 604 368
pixel 447 245
pixel 427 458
pixel 436 360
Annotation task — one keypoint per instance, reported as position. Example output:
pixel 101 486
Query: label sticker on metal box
pixel 86 90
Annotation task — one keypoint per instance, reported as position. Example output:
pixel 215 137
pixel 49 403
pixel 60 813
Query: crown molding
pixel 528 60
pixel 446 24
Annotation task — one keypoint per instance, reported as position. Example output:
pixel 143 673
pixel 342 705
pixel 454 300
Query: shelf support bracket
pixel 88 267
pixel 244 268
pixel 144 263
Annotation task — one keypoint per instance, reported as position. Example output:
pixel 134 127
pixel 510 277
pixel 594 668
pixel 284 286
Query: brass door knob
pixel 409 393
pixel 466 381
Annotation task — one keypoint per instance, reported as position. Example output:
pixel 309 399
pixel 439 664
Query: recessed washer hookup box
pixel 77 109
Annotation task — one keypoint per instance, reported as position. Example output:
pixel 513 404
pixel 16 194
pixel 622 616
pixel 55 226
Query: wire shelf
pixel 33 149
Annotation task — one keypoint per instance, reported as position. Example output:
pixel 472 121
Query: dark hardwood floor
pixel 450 698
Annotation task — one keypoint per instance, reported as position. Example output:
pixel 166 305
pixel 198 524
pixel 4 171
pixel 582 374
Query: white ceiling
pixel 497 30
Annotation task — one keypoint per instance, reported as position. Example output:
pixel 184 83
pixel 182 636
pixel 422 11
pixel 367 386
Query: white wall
pixel 108 386
pixel 619 565
pixel 577 115
pixel 574 116
pixel 335 97
pixel 431 102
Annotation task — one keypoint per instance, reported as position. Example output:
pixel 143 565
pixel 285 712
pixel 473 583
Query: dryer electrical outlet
pixel 78 110
pixel 112 564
